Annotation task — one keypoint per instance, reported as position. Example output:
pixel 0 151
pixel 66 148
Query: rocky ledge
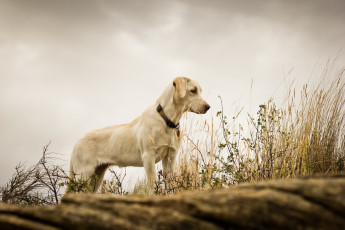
pixel 305 203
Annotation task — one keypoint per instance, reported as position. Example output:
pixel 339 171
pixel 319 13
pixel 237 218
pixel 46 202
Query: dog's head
pixel 188 95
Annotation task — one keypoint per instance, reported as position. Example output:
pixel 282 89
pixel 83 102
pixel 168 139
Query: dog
pixel 152 137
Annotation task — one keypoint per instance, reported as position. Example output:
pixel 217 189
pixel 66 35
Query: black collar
pixel 166 119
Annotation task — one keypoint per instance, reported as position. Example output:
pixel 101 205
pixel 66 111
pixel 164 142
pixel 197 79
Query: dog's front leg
pixel 168 164
pixel 149 165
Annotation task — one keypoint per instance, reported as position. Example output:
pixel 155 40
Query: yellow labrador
pixel 152 137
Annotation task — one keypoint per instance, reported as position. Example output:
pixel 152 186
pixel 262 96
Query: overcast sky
pixel 68 67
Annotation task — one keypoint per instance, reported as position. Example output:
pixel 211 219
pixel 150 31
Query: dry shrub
pixel 40 184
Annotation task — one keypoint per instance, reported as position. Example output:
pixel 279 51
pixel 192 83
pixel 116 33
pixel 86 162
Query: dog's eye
pixel 194 90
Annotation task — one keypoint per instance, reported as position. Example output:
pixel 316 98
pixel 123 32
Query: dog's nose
pixel 206 107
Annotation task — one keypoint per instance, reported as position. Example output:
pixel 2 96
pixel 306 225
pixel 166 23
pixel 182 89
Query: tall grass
pixel 302 137
pixel 305 135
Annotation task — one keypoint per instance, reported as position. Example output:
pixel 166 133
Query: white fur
pixel 143 142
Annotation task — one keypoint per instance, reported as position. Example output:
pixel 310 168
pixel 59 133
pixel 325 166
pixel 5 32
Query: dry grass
pixel 302 138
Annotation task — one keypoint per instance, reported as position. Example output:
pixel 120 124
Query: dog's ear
pixel 180 83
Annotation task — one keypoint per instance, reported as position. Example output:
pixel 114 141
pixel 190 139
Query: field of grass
pixel 303 135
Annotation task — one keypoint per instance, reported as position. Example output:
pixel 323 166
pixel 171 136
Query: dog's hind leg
pixel 81 175
pixel 98 176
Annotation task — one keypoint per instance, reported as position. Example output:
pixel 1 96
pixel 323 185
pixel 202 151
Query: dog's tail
pixel 71 178
pixel 71 172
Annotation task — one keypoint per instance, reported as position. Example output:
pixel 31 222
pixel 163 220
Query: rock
pixel 304 203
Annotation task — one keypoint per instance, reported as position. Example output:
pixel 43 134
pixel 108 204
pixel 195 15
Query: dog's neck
pixel 173 113
pixel 169 123
pixel 172 110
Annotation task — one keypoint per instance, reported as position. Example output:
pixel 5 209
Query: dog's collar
pixel 169 123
